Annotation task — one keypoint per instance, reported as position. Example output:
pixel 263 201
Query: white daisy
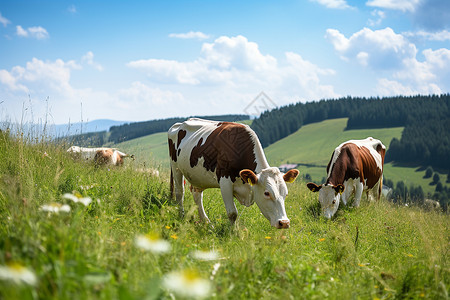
pixel 18 274
pixel 77 197
pixel 187 284
pixel 152 242
pixel 55 207
pixel 205 255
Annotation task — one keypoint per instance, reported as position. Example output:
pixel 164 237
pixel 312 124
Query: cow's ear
pixel 248 176
pixel 339 188
pixel 291 175
pixel 313 187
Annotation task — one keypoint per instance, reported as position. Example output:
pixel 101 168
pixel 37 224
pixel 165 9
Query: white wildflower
pixel 18 274
pixel 77 197
pixel 55 208
pixel 214 271
pixel 152 242
pixel 187 284
pixel 205 255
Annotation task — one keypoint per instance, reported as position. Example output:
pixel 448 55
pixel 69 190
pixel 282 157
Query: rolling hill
pixel 311 146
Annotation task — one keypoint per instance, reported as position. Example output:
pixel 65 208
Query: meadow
pixel 130 243
pixel 312 145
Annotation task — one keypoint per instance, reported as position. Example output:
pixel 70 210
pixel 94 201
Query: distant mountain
pixel 62 130
pixel 91 126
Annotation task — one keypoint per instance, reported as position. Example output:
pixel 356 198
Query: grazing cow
pixel 101 156
pixel 355 166
pixel 228 156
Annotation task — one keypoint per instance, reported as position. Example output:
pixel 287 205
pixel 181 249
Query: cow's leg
pixel 358 193
pixel 226 189
pixel 179 188
pixel 198 198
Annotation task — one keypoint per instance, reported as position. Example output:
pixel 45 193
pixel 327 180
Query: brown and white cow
pixel 355 166
pixel 100 156
pixel 228 156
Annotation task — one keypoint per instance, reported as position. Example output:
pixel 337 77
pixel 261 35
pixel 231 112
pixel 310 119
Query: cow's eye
pixel 334 201
pixel 267 194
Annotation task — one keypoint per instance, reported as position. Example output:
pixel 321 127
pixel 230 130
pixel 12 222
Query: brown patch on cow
pixel 103 157
pixel 175 150
pixel 354 162
pixel 227 150
pixel 172 150
pixel 181 135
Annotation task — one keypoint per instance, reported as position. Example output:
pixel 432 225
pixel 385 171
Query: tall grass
pixel 378 251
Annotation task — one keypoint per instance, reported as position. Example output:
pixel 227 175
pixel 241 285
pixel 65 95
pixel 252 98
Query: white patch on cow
pixel 270 180
pixel 370 143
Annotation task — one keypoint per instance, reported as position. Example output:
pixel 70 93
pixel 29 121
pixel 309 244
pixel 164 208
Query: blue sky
pixel 64 61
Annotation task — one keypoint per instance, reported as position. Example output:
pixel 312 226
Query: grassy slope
pixel 377 251
pixel 312 144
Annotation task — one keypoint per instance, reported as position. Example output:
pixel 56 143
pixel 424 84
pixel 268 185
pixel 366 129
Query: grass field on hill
pixel 314 144
pixel 311 144
pixel 378 251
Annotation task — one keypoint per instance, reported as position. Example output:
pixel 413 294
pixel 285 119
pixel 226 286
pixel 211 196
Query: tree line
pixel 425 139
pixel 129 131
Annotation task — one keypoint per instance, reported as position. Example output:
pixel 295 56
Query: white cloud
pixel 4 21
pixel 379 15
pixel 139 94
pixel 392 55
pixel 441 36
pixel 36 32
pixel 380 49
pixel 403 5
pixel 335 4
pixel 20 31
pixel 231 71
pixel 88 58
pixel 190 35
pixel 26 88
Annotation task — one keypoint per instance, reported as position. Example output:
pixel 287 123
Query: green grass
pixel 378 251
pixel 151 149
pixel 311 144
pixel 314 143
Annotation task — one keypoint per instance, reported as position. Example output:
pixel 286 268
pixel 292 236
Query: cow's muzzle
pixel 283 224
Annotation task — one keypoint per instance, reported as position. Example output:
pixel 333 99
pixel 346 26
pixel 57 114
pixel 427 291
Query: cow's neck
pixel 337 173
pixel 261 161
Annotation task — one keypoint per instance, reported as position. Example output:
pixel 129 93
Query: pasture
pixel 312 144
pixel 378 251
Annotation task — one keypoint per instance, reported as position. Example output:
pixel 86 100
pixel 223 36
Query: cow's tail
pixel 171 184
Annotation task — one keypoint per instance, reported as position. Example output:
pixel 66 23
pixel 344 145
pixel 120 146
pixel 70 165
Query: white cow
pixel 355 166
pixel 228 156
pixel 101 156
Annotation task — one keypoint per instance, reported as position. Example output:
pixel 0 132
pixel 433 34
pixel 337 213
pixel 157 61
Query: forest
pixel 425 140
pixel 134 130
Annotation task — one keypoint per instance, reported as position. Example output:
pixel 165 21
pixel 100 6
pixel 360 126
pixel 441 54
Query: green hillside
pixel 313 144
pixel 151 149
pixel 72 230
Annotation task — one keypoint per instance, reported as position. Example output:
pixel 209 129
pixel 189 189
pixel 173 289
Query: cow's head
pixel 269 191
pixel 329 197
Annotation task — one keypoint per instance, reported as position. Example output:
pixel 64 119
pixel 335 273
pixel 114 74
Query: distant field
pixel 151 149
pixel 312 144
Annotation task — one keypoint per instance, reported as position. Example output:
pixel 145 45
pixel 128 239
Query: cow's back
pixel 354 159
pixel 206 151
